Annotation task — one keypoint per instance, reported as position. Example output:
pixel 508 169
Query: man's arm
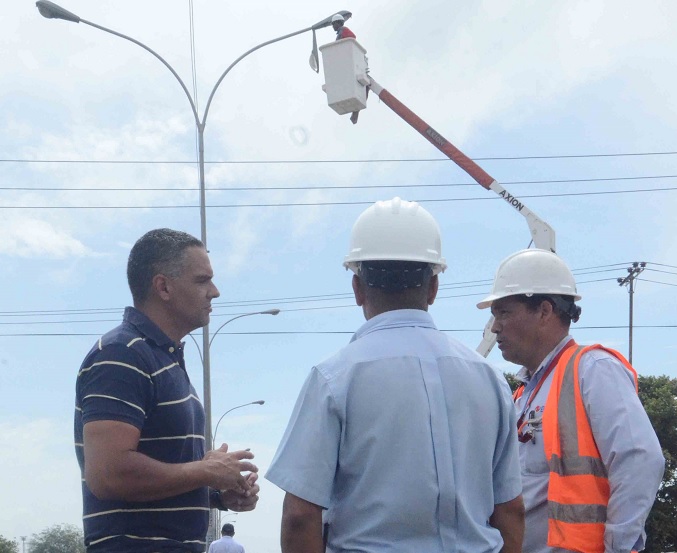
pixel 628 445
pixel 114 469
pixel 508 519
pixel 301 526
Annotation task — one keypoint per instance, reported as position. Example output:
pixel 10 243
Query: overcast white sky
pixel 538 81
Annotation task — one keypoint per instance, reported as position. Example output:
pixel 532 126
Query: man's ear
pixel 546 310
pixel 161 286
pixel 432 289
pixel 358 291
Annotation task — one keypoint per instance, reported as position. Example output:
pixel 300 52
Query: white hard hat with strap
pixel 395 230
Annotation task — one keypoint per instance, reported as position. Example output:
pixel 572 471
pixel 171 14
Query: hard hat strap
pixel 394 276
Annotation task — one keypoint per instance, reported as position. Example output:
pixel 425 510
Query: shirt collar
pixel 523 374
pixel 395 319
pixel 147 327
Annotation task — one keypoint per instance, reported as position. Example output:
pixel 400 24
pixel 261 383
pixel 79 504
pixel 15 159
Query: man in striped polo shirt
pixel 139 425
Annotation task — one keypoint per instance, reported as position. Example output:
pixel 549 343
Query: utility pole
pixel 633 272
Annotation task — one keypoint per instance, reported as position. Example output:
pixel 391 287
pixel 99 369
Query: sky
pixel 570 105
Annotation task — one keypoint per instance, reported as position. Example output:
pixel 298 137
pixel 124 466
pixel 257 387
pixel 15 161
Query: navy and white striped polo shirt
pixel 136 374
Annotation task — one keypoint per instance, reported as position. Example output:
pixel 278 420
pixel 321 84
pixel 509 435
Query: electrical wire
pixel 315 161
pixel 656 281
pixel 320 204
pixel 274 300
pixel 301 332
pixel 327 187
pixel 193 72
pixel 247 303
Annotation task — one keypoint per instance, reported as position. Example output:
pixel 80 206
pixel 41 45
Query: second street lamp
pixel 50 10
pixel 209 444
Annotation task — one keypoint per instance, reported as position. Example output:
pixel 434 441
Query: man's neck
pixel 548 346
pixel 161 320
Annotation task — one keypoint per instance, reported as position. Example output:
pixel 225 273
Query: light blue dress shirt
pixel 226 544
pixel 625 439
pixel 407 438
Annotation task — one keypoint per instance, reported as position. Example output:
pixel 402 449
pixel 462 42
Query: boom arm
pixel 542 234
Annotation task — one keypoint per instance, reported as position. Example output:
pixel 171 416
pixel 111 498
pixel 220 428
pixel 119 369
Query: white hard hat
pixel 395 230
pixel 531 272
pixel 336 17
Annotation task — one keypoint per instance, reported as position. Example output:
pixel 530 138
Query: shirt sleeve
pixel 307 457
pixel 507 478
pixel 114 386
pixel 628 445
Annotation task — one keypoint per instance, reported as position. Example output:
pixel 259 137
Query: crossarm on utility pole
pixel 542 234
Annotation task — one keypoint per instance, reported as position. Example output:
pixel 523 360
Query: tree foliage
pixel 61 538
pixel 659 397
pixel 8 546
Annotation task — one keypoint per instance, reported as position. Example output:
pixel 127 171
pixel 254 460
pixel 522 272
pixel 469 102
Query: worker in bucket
pixel 405 440
pixel 590 459
pixel 337 22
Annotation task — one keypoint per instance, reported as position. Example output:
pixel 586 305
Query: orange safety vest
pixel 578 489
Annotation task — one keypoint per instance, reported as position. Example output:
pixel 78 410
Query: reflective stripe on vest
pixel 578 489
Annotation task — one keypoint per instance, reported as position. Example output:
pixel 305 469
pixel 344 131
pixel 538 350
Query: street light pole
pixel 50 10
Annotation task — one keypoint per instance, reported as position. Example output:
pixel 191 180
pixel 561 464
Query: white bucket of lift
pixel 345 75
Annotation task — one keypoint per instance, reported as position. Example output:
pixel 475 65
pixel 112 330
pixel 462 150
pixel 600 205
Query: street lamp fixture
pixel 50 10
pixel 326 22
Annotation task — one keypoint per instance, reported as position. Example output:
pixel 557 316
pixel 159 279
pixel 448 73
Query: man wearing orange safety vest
pixel 590 459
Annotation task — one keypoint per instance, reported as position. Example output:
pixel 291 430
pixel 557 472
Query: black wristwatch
pixel 215 499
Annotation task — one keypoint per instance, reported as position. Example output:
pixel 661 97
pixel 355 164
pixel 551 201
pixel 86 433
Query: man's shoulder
pixel 123 343
pixel 597 352
pixel 388 343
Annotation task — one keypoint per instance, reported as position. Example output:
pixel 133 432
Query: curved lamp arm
pixel 267 312
pixel 258 402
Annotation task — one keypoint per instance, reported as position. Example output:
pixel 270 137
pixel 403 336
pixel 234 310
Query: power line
pixel 326 187
pixel 286 299
pixel 249 304
pixel 319 204
pixel 295 161
pixel 300 332
pixel 659 271
pixel 657 282
pixel 664 265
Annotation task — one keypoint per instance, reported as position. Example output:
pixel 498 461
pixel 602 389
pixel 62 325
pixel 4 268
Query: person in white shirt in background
pixel 226 544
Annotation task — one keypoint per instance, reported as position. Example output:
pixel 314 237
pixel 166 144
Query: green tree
pixel 8 546
pixel 61 538
pixel 659 396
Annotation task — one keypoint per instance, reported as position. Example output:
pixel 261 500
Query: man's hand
pixel 224 470
pixel 235 501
